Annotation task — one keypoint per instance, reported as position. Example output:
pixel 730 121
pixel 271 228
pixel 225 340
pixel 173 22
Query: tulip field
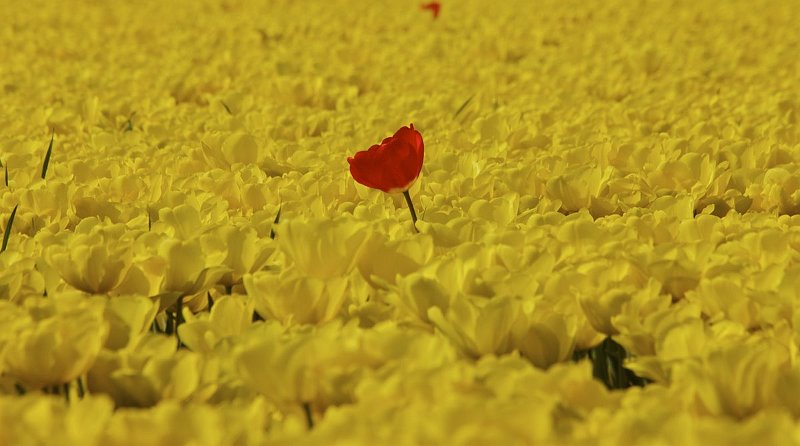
pixel 361 222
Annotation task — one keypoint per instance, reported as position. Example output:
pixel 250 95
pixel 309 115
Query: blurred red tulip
pixel 434 7
pixel 393 165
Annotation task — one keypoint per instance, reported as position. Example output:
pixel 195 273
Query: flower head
pixel 393 165
pixel 434 7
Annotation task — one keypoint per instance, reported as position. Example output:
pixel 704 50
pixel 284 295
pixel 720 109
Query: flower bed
pixel 603 248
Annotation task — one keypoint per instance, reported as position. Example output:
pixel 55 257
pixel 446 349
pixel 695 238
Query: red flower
pixel 434 7
pixel 393 165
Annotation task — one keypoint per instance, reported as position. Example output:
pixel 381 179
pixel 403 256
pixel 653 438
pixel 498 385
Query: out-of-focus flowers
pixel 737 380
pixel 149 371
pixel 60 343
pixel 35 418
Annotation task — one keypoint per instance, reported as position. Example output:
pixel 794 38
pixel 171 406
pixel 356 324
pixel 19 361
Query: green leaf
pixel 46 163
pixel 463 106
pixel 277 219
pixel 7 234
pixel 129 123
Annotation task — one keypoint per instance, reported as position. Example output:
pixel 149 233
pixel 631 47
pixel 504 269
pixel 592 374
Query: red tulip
pixel 434 8
pixel 393 165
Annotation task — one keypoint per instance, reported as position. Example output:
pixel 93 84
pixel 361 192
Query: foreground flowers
pixel 393 165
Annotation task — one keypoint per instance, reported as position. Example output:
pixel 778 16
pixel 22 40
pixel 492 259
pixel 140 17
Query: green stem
pixel 309 416
pixel 178 319
pixel 411 209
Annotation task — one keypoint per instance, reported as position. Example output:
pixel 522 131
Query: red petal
pixel 393 165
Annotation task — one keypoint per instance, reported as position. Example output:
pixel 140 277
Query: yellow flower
pixel 291 296
pixel 61 342
pixel 478 326
pixel 603 307
pixel 147 372
pixel 230 316
pixel 386 259
pixel 34 419
pixel 546 337
pixel 738 380
pixel 13 319
pixel 282 369
pixel 171 423
pixel 94 263
pixel 189 269
pixel 581 187
pixel 170 268
pixel 323 248
pixel 246 251
pixel 19 276
pixel 129 317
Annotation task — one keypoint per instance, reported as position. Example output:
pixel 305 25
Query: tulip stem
pixel 309 416
pixel 411 209
pixel 178 319
pixel 81 390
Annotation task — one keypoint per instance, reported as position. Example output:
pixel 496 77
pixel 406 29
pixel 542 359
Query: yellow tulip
pixel 246 251
pixel 61 342
pixel 34 419
pixel 291 296
pixel 13 319
pixel 323 248
pixel 386 259
pixel 129 317
pixel 171 422
pixel 578 187
pixel 230 316
pixel 19 276
pixel 147 372
pixel 546 337
pixel 170 268
pixel 602 307
pixel 737 380
pixel 188 268
pixel 478 326
pixel 94 259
